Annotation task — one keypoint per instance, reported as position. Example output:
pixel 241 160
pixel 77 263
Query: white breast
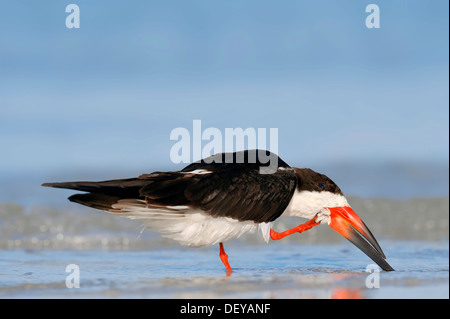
pixel 200 229
pixel 189 227
pixel 306 204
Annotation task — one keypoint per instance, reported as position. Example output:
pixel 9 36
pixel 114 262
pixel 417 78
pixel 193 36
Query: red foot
pixel 300 228
pixel 224 258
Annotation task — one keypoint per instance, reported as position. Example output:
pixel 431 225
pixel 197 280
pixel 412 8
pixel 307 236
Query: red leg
pixel 300 228
pixel 224 258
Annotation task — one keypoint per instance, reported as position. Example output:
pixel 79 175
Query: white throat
pixel 306 204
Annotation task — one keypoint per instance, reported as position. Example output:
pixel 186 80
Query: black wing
pixel 235 190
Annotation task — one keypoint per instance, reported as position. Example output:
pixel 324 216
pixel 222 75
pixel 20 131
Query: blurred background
pixel 368 107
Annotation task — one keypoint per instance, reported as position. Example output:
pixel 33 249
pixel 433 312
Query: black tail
pixel 102 195
pixel 158 188
pixel 96 200
pixel 123 188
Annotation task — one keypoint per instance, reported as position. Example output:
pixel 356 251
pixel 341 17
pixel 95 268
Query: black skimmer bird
pixel 226 195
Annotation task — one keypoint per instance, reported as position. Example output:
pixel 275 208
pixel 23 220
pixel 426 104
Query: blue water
pixel 260 271
pixel 116 258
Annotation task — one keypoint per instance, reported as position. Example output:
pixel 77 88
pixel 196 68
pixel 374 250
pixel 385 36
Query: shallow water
pixel 116 260
pixel 272 271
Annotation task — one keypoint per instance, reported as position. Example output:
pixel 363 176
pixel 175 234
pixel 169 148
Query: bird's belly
pixel 199 229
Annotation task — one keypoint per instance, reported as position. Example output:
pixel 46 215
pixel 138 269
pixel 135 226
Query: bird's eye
pixel 322 186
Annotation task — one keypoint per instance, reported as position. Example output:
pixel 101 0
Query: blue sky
pixel 107 95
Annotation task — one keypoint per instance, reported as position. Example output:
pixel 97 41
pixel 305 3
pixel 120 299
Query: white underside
pixel 189 227
pixel 196 228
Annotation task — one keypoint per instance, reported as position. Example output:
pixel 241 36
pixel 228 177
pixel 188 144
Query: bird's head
pixel 318 196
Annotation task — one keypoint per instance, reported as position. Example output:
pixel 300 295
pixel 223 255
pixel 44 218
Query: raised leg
pixel 300 228
pixel 224 258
